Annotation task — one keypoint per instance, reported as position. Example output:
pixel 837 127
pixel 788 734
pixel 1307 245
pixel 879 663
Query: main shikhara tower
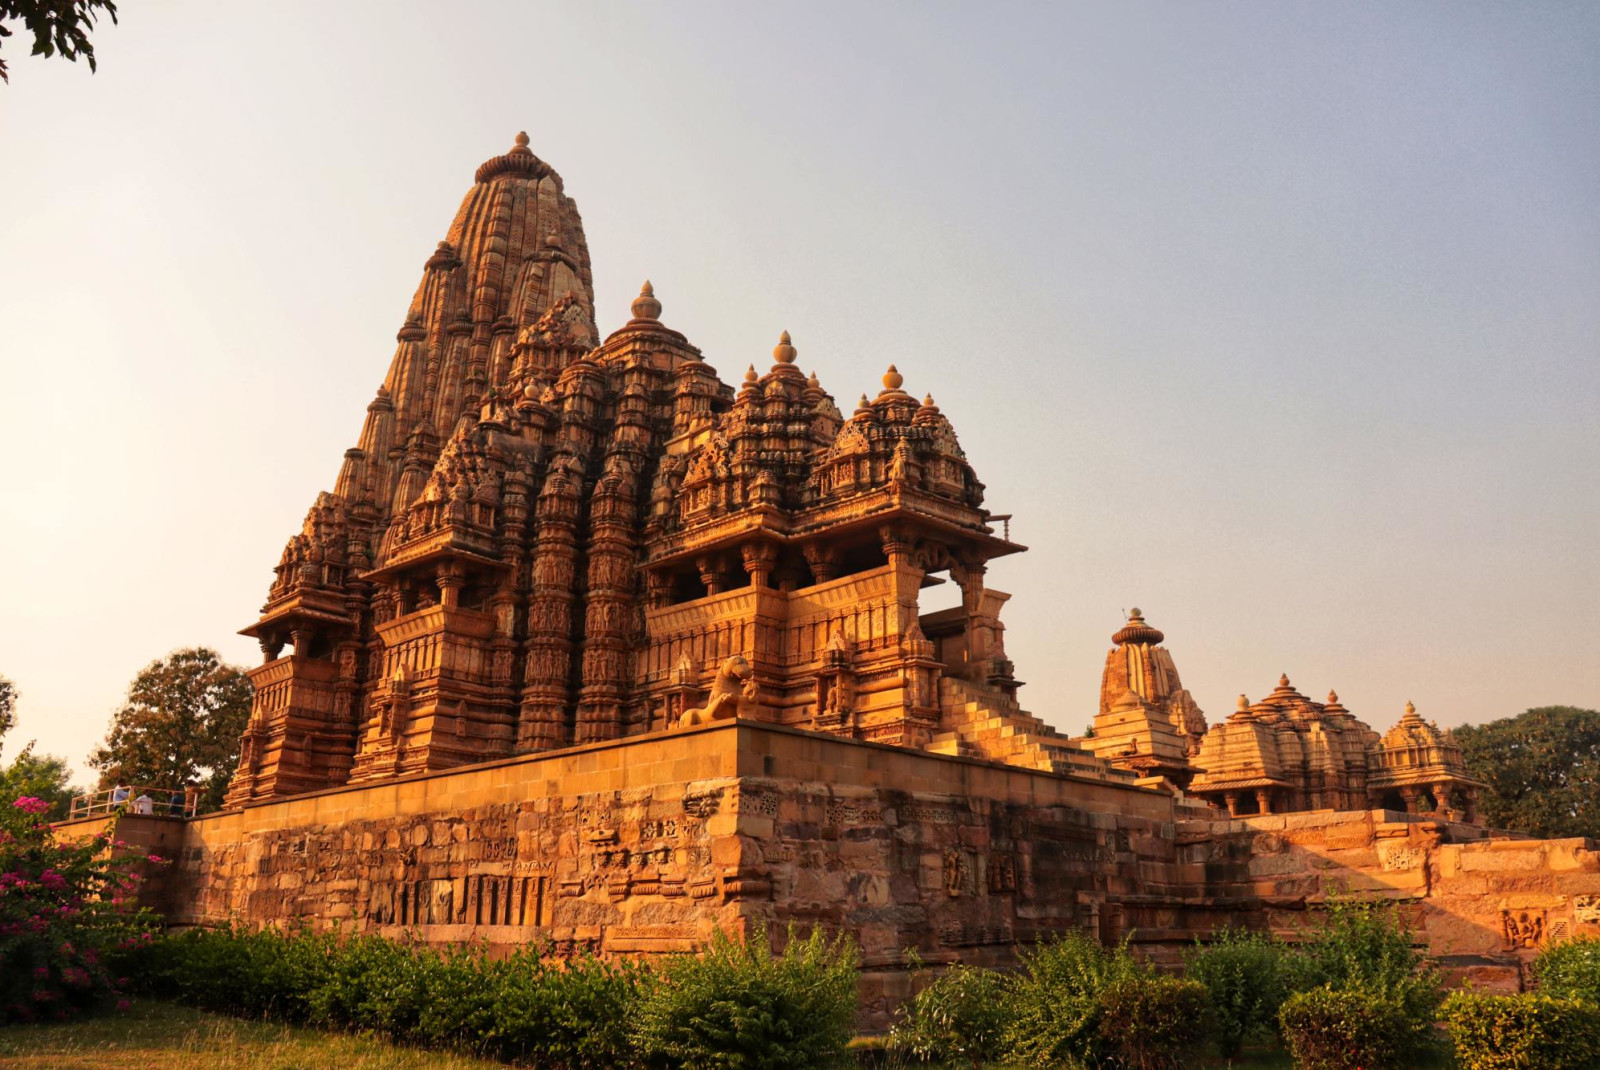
pixel 542 539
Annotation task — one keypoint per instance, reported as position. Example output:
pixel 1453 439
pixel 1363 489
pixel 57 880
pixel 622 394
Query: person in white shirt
pixel 144 804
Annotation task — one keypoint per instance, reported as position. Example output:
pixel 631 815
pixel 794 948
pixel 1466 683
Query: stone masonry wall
pixel 644 846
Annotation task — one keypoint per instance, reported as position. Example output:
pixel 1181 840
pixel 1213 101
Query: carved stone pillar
pixel 1441 798
pixel 896 545
pixel 1413 797
pixel 1232 799
pixel 713 573
pixel 1264 800
pixel 658 589
pixel 821 561
pixel 759 559
pixel 451 578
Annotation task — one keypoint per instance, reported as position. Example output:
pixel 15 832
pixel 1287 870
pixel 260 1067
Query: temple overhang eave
pixel 299 610
pixel 431 552
pixel 1420 777
pixel 1204 786
pixel 773 524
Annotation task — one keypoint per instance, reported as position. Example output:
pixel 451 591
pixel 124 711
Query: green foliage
pixel 40 776
pixel 58 26
pixel 182 722
pixel 1570 969
pixel 1364 996
pixel 961 1016
pixel 1347 1029
pixel 735 1006
pixel 738 1006
pixel 8 695
pixel 1152 1023
pixel 1055 1001
pixel 575 1015
pixel 1523 1032
pixel 66 911
pixel 1542 768
pixel 1243 973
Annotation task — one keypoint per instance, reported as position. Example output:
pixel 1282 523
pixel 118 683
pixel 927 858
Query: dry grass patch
pixel 178 1038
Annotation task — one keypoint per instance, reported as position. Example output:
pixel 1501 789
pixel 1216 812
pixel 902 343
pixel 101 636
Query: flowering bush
pixel 66 913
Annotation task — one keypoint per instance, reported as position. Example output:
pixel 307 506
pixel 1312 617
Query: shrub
pixel 1243 975
pixel 571 1016
pixel 66 912
pixel 1523 1032
pixel 1153 1022
pixel 961 1016
pixel 575 1016
pixel 1570 969
pixel 737 1005
pixel 1363 948
pixel 1055 999
pixel 1347 1029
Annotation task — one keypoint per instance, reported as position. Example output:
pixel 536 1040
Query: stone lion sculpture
pixel 734 687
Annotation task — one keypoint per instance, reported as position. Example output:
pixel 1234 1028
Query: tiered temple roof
pixel 541 539
pixel 1147 722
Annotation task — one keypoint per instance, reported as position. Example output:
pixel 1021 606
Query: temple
pixel 541 539
pixel 589 647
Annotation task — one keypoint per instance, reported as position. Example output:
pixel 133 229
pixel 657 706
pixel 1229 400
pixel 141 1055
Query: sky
pixel 1279 321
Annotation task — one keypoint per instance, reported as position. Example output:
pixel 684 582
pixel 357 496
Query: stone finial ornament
pixel 892 379
pixel 645 306
pixel 784 352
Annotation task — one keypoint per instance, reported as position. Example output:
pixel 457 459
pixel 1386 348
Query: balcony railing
pixel 136 799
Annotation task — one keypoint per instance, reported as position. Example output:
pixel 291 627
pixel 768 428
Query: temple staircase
pixel 983 722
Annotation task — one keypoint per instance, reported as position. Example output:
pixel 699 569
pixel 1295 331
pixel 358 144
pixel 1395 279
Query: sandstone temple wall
pixel 643 846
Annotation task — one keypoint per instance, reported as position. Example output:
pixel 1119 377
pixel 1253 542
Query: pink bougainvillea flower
pixel 31 804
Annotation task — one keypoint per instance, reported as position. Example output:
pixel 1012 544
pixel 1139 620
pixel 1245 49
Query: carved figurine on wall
pixel 734 691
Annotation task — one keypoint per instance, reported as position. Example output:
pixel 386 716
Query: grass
pixel 171 1037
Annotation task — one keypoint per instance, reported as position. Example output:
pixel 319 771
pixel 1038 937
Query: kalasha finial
pixel 863 407
pixel 750 375
pixel 783 352
pixel 1283 680
pixel 1137 631
pixel 1244 702
pixel 1333 697
pixel 522 143
pixel 1411 711
pixel 812 381
pixel 892 378
pixel 645 306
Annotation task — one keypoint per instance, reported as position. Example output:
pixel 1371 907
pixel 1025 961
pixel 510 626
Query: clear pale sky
pixel 1279 321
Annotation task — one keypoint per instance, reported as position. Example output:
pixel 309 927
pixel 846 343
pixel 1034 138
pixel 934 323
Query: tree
pixel 8 707
pixel 40 776
pixel 1542 768
pixel 58 26
pixel 181 722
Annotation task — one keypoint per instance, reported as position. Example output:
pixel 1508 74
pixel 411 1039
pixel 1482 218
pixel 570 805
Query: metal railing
pixel 135 799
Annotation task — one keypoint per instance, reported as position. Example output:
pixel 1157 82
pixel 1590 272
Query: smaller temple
pixel 1147 723
pixel 1419 769
pixel 1287 753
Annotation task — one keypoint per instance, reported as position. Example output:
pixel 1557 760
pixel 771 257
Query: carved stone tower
pixel 540 541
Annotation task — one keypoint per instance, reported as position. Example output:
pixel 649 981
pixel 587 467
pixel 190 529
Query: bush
pixel 574 1016
pixel 961 1016
pixel 66 913
pixel 736 1005
pixel 571 1016
pixel 1347 1029
pixel 1523 1032
pixel 1243 973
pixel 1363 949
pixel 1570 969
pixel 1055 1000
pixel 1153 1022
